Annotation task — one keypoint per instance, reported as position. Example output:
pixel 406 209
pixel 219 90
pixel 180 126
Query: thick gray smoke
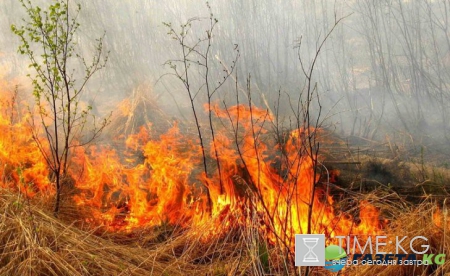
pixel 383 71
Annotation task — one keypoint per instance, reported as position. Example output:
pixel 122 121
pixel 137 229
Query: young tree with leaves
pixel 48 39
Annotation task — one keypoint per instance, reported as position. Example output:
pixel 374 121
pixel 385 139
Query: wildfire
pixel 22 164
pixel 161 179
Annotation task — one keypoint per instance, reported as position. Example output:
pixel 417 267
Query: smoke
pixel 384 70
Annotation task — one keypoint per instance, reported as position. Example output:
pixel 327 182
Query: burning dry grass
pixel 157 224
pixel 425 220
pixel 33 242
pixel 136 111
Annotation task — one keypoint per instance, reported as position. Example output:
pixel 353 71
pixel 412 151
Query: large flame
pixel 22 166
pixel 167 183
pixel 157 180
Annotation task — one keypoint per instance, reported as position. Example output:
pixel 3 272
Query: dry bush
pixel 136 111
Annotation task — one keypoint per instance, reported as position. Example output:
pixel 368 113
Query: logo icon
pixel 310 257
pixel 335 258
pixel 310 250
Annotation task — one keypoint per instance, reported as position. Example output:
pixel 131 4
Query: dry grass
pixel 33 242
pixel 136 111
pixel 412 221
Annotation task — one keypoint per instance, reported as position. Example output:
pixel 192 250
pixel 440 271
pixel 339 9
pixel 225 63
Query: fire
pixel 440 218
pixel 22 165
pixel 167 183
pixel 156 180
pixel 144 194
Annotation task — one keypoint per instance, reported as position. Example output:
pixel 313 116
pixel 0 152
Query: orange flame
pixel 167 184
pixel 440 218
pixel 22 166
pixel 161 180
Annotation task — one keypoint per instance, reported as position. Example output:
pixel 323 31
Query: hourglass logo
pixel 310 250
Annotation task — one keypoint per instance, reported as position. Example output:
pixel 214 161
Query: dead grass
pixel 33 242
pixel 136 111
pixel 412 221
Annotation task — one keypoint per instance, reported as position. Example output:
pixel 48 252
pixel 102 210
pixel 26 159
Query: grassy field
pixel 34 242
pixel 142 211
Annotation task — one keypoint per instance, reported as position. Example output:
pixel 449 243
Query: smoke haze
pixel 383 71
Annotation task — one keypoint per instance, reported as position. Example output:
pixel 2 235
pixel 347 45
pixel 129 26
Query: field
pixel 122 215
